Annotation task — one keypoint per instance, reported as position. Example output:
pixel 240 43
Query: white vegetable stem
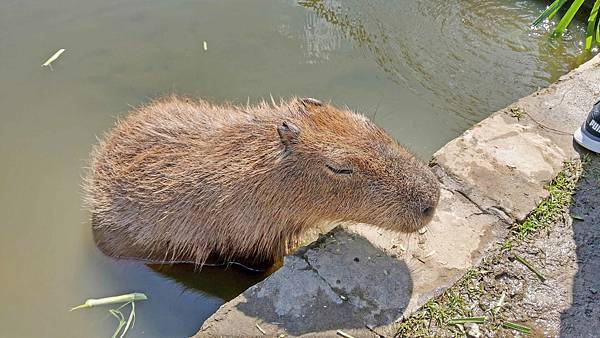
pixel 53 58
pixel 131 297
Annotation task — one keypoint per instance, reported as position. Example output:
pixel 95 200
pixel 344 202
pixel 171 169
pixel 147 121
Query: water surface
pixel 424 70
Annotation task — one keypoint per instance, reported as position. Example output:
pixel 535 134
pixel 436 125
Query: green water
pixel 424 70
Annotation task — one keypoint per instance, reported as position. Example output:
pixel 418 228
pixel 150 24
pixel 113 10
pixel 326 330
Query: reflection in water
pixel 333 13
pixel 222 282
pixel 321 37
pixel 456 53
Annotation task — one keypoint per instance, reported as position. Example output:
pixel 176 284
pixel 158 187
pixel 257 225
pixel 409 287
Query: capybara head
pixel 354 171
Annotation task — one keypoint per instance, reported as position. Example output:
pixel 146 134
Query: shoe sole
pixel 586 142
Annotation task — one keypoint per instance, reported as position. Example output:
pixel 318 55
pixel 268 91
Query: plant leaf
pixel 598 33
pixel 567 18
pixel 589 33
pixel 549 12
pixel 518 327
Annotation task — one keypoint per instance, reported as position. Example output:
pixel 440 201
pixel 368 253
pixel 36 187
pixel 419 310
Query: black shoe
pixel 588 136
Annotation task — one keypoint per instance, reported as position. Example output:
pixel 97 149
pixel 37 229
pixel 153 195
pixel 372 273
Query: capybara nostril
pixel 428 211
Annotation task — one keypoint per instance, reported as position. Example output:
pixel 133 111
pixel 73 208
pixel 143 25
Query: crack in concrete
pixel 337 291
pixel 495 210
pixel 451 182
pixel 344 296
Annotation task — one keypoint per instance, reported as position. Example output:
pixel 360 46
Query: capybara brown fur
pixel 183 180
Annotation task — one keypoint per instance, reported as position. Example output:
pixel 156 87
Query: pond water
pixel 424 70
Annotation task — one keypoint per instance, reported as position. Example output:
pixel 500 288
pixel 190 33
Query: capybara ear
pixel 309 101
pixel 288 133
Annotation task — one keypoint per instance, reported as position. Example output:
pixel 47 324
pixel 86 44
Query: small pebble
pixel 474 331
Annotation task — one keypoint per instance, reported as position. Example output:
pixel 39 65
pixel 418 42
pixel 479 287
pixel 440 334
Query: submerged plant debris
pixel 130 297
pixel 124 324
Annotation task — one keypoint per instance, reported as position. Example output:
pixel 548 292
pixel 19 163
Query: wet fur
pixel 184 180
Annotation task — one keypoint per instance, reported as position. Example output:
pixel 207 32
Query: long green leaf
pixel 555 12
pixel 550 11
pixel 589 33
pixel 566 20
pixel 598 33
pixel 466 320
pixel 517 327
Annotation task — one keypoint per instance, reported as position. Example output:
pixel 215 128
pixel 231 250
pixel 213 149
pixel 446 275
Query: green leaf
pixel 554 13
pixel 567 18
pixel 549 12
pixel 517 327
pixel 466 320
pixel 589 33
pixel 598 33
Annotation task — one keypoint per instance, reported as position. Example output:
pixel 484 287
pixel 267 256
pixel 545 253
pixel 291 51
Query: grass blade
pixel 465 320
pixel 498 306
pixel 567 18
pixel 589 33
pixel 530 267
pixel 517 327
pixel 550 11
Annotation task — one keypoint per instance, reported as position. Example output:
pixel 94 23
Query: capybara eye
pixel 339 171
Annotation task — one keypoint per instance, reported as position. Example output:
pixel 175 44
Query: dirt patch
pixel 557 295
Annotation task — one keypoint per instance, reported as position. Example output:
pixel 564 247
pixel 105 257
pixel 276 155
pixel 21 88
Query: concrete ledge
pixel 361 279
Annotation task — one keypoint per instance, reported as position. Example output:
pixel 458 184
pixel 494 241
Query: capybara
pixel 183 179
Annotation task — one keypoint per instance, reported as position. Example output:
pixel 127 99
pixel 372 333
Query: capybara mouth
pixel 414 227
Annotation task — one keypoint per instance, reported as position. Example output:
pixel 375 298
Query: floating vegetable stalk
pixel 53 58
pixel 124 325
pixel 131 297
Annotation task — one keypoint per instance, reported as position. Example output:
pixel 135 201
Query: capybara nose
pixel 428 211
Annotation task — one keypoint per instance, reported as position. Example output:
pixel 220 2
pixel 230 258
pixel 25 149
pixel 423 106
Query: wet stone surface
pixel 320 289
